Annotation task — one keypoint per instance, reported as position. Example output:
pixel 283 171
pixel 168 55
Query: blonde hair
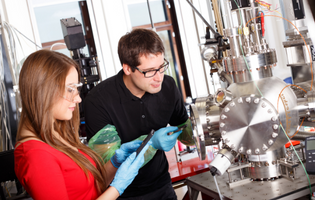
pixel 42 79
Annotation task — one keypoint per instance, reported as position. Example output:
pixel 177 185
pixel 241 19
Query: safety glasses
pixel 72 90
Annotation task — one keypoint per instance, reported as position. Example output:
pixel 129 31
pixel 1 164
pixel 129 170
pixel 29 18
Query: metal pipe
pixel 203 19
pixel 152 24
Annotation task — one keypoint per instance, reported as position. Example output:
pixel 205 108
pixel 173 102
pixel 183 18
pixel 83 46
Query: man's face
pixel 137 83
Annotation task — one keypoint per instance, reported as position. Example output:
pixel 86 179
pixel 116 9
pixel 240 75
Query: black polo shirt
pixel 110 102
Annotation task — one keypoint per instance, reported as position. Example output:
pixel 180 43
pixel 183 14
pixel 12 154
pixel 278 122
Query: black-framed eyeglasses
pixel 151 73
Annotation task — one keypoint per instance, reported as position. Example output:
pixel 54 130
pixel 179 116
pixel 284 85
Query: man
pixel 140 98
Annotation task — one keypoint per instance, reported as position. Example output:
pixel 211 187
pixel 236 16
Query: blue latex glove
pixel 124 151
pixel 128 170
pixel 162 141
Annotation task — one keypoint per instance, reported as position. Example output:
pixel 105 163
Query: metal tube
pixel 152 24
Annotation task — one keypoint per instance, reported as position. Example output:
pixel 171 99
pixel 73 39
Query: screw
pixel 269 111
pixel 227 140
pixel 263 105
pixel 256 100
pixel 240 150
pixel 249 151
pixel 256 151
pixel 270 142
pixel 226 109
pixel 223 132
pixel 222 125
pixel 264 147
pixel 275 126
pixel 232 104
pixel 274 118
pixel 247 99
pixel 274 135
pixel 232 146
pixel 223 117
pixel 240 100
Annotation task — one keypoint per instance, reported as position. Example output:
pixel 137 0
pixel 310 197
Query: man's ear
pixel 127 69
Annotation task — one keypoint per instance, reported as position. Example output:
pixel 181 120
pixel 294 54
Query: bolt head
pixel 274 135
pixel 249 151
pixel 226 109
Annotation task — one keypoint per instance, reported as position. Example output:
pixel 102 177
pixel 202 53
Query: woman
pixel 50 160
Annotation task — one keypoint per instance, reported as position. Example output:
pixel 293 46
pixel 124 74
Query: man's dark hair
pixel 139 42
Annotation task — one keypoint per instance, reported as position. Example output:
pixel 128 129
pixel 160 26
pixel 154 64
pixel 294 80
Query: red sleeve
pixel 42 175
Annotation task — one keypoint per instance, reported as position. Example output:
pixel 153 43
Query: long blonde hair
pixel 42 80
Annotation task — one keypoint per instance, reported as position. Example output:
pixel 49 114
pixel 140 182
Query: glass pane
pixel 139 13
pixel 48 19
pixel 165 36
pixel 48 22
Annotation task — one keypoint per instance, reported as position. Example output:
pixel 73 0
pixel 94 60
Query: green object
pixel 186 137
pixel 106 141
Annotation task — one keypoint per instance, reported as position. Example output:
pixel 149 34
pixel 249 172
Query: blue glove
pixel 124 151
pixel 128 170
pixel 162 141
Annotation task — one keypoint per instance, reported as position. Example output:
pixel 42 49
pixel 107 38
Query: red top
pixel 47 173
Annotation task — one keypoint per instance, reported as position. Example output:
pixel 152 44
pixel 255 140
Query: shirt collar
pixel 124 92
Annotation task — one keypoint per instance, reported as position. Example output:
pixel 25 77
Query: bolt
pixel 223 117
pixel 232 104
pixel 209 127
pixel 275 126
pixel 207 119
pixel 274 118
pixel 249 151
pixel 247 99
pixel 232 146
pixel 270 142
pixel 264 147
pixel 207 113
pixel 240 150
pixel 263 105
pixel 226 109
pixel 308 113
pixel 223 132
pixel 257 151
pixel 256 100
pixel 227 140
pixel 240 100
pixel 269 111
pixel 274 135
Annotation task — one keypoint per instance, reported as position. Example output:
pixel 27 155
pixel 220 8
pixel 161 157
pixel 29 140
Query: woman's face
pixel 66 103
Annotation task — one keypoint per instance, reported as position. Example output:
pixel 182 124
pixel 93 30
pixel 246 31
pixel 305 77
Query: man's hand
pixel 162 141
